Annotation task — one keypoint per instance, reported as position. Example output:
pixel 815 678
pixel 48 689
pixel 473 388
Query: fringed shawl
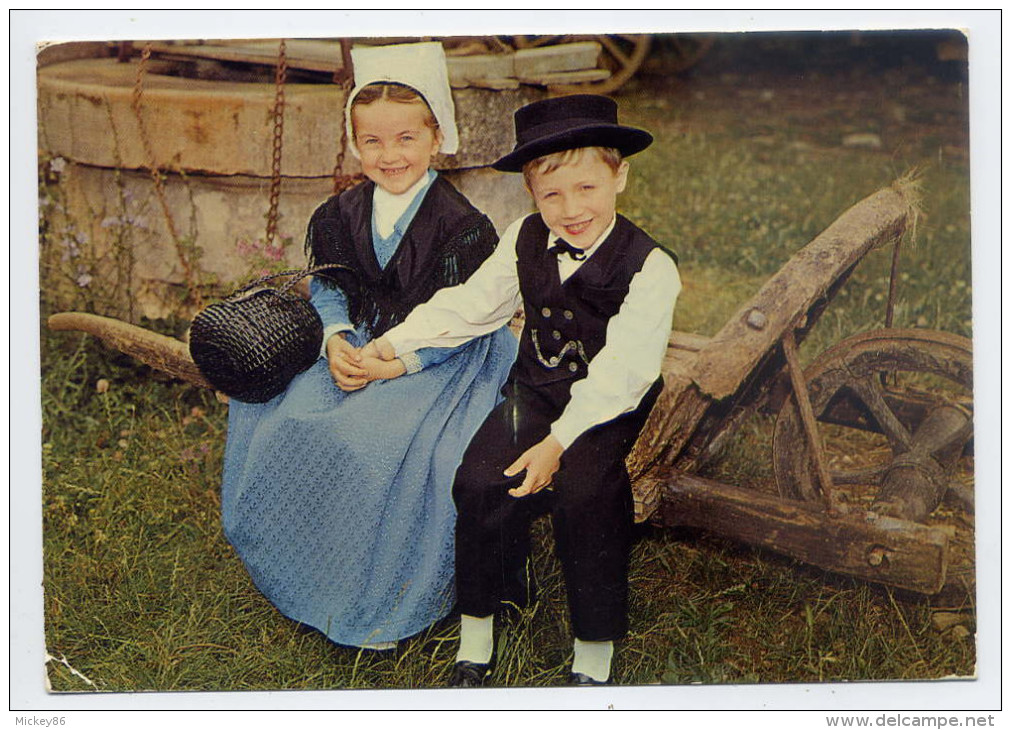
pixel 444 244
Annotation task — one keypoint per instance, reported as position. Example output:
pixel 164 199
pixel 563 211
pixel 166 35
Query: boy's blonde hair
pixel 391 91
pixel 551 162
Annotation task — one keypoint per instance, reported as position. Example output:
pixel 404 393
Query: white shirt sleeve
pixel 455 315
pixel 630 360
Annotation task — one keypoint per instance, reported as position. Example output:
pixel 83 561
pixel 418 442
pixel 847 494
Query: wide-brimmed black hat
pixel 570 122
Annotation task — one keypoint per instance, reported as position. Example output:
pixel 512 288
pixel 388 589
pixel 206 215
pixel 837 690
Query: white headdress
pixel 422 66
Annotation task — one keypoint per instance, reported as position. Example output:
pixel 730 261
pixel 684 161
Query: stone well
pixel 109 239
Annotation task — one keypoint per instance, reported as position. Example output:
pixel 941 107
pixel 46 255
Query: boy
pixel 598 296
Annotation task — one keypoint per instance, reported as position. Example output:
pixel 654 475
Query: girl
pixel 342 515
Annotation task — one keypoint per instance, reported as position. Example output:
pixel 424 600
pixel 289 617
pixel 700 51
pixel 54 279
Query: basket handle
pixel 296 274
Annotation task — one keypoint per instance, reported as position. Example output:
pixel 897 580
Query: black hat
pixel 570 122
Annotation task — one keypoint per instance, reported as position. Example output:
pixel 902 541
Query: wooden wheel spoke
pixel 850 394
pixel 870 391
pixel 616 52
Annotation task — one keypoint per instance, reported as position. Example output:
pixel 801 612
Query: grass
pixel 142 592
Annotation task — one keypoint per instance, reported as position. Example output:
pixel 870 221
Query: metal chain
pixel 157 177
pixel 344 78
pixel 275 172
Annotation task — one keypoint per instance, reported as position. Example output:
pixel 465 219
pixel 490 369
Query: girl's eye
pixel 370 141
pixel 407 138
pixel 586 187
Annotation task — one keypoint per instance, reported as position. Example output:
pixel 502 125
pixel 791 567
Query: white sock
pixel 593 658
pixel 477 639
pixel 380 646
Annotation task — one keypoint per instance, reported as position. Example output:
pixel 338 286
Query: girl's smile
pixel 395 141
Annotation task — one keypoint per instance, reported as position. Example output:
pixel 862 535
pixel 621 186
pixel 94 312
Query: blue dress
pixel 340 504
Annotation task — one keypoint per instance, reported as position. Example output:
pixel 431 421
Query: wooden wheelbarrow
pixel 892 382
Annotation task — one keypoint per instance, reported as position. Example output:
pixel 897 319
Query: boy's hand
pixel 541 462
pixel 380 348
pixel 345 364
pixel 377 369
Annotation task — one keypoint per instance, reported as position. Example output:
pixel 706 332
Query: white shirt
pixel 388 207
pixel 617 377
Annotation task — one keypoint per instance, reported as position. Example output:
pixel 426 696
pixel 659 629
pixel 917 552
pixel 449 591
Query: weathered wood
pixel 845 387
pixel 537 62
pixel 303 54
pixel 163 353
pixel 815 446
pixel 486 66
pixel 916 481
pixel 494 84
pixel 586 76
pixel 565 63
pixel 879 549
pixel 785 299
pixel 734 370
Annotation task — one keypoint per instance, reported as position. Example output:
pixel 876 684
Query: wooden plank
pixel 491 84
pixel 536 62
pixel 567 77
pixel 879 549
pixel 321 56
pixel 467 69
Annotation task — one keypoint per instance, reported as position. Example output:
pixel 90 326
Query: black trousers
pixel 590 503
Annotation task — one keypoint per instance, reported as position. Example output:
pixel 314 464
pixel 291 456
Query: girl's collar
pixel 387 208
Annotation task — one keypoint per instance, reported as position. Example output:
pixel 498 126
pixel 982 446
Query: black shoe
pixel 578 679
pixel 469 674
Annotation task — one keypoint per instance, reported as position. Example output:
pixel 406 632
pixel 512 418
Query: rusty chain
pixel 344 77
pixel 275 169
pixel 157 177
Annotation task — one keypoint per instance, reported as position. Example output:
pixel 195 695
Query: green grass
pixel 142 592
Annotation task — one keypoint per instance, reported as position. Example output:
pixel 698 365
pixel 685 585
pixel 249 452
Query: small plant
pixel 263 257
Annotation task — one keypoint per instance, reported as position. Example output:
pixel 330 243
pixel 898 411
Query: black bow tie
pixel 562 246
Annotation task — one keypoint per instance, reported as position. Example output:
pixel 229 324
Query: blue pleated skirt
pixel 340 504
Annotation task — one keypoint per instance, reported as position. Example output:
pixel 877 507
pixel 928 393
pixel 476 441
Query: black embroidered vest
pixel 566 323
pixel 446 241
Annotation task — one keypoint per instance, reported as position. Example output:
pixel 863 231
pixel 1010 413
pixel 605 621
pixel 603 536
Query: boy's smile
pixel 395 143
pixel 577 199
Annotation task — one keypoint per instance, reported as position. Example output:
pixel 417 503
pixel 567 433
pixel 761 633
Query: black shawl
pixel 444 244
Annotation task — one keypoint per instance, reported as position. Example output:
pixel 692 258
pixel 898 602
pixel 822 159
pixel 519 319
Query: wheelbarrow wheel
pixel 886 382
pixel 894 408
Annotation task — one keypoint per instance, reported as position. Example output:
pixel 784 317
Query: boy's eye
pixel 586 187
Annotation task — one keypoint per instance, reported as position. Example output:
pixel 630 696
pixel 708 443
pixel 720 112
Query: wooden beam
pixel 874 548
pixel 550 59
pixel 163 353
pixel 785 299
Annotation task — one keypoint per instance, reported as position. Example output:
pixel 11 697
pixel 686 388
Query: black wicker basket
pixel 250 345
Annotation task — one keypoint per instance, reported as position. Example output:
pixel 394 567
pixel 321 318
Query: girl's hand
pixel 345 364
pixel 541 462
pixel 381 349
pixel 377 369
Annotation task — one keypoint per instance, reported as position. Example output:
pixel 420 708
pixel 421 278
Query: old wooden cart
pixel 913 386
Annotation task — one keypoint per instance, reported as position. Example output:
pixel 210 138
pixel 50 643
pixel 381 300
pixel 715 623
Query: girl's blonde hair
pixel 390 91
pixel 551 162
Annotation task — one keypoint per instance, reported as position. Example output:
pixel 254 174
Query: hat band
pixel 548 129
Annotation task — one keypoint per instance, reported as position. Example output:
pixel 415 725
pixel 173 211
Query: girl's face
pixel 395 143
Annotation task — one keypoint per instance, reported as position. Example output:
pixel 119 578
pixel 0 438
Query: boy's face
pixel 577 199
